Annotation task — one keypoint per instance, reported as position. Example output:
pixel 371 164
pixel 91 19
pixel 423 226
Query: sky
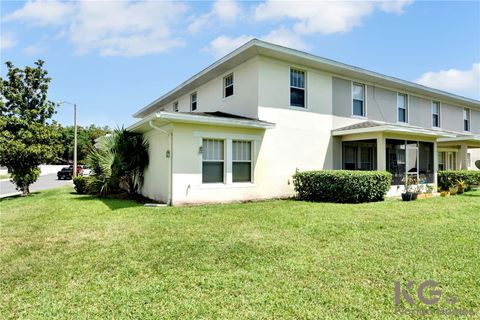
pixel 114 57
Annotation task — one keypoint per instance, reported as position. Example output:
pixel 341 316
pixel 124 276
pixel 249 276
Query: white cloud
pixel 287 38
pixel 123 28
pixel 227 11
pixel 395 6
pixel 42 12
pixel 34 49
pixel 7 40
pixel 223 45
pixel 464 82
pixel 325 17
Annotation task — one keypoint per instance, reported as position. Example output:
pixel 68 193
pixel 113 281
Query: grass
pixel 64 256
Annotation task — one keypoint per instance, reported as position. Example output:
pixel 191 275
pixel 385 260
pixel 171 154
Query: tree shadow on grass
pixel 469 195
pixel 19 196
pixel 112 203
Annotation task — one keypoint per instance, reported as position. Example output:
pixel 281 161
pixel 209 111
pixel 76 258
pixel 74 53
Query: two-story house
pixel 239 129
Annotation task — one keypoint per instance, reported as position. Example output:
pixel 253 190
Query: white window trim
pixel 305 107
pixel 191 100
pixel 224 87
pixel 469 120
pixel 364 100
pixel 228 159
pixel 252 142
pixel 439 114
pixel 224 163
pixel 407 116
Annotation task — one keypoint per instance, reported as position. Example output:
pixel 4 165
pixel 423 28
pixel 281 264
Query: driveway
pixel 48 181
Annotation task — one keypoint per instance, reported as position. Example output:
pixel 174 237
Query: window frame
pixel 364 100
pixel 407 102
pixel 298 88
pixel 243 161
pixel 437 103
pixel 224 161
pixel 192 101
pixel 467 111
pixel 230 85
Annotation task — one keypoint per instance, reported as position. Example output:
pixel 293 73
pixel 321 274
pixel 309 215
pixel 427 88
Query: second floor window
pixel 435 114
pixel 297 88
pixel 402 107
pixel 358 93
pixel 193 101
pixel 228 86
pixel 466 119
pixel 175 106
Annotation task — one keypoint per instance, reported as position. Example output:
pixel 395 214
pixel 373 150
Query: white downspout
pixel 170 163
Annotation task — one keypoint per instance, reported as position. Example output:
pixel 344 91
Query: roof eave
pixel 394 129
pixel 227 122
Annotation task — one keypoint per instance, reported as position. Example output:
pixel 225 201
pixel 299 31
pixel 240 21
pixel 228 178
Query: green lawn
pixel 66 256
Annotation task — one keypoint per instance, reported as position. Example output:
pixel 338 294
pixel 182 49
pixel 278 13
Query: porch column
pixel 462 155
pixel 381 157
pixel 435 163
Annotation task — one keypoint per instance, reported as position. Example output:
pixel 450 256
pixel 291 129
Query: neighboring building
pixel 239 129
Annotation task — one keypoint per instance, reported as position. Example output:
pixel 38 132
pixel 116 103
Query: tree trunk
pixel 25 191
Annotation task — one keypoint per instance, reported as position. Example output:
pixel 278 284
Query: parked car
pixel 86 171
pixel 67 172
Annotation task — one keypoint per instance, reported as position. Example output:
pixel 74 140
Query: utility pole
pixel 75 140
pixel 74 173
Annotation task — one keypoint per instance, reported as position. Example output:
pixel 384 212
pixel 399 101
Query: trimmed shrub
pixel 81 184
pixel 449 178
pixel 343 186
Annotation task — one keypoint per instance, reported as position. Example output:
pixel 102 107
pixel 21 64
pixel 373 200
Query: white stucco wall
pixel 210 94
pixel 156 182
pixel 277 154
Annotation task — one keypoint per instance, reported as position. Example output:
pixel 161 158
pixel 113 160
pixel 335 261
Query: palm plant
pixel 118 161
pixel 101 160
pixel 132 159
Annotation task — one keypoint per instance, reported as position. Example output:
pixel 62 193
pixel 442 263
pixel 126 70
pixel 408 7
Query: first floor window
pixel 402 107
pixel 358 93
pixel 297 88
pixel 193 101
pixel 241 161
pixel 228 86
pixel 441 161
pixel 213 156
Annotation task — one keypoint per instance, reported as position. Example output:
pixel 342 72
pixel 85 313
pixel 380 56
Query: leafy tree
pixel 27 138
pixel 86 137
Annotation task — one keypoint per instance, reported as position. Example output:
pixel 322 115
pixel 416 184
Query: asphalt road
pixel 48 181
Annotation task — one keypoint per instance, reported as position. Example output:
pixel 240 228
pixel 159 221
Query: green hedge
pixel 342 186
pixel 81 184
pixel 449 178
